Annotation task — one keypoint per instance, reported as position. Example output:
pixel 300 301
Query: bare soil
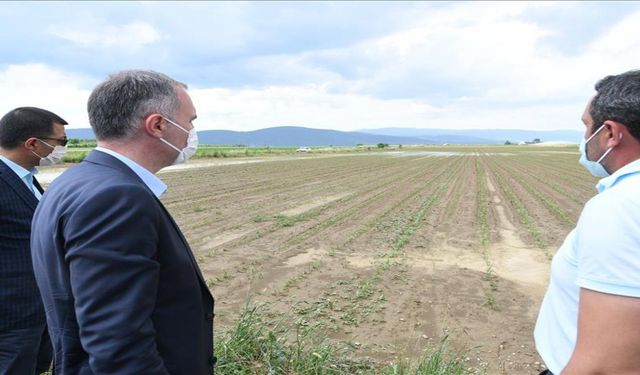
pixel 385 251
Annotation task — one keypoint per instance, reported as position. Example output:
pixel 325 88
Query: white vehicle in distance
pixel 303 149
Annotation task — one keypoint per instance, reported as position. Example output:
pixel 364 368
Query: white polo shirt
pixel 602 254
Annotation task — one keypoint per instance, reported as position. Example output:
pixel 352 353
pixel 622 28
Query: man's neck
pixel 624 156
pixel 133 152
pixel 17 157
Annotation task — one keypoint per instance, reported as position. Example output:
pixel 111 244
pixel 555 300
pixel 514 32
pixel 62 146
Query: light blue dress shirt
pixel 153 183
pixel 25 175
pixel 600 254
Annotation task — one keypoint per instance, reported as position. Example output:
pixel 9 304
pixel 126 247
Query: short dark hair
pixel 22 123
pixel 117 105
pixel 618 99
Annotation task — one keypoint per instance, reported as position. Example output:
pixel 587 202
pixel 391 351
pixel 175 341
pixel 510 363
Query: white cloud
pixel 482 51
pixel 38 85
pixel 456 65
pixel 129 37
pixel 488 56
pixel 618 49
pixel 311 106
pixel 488 64
pixel 249 109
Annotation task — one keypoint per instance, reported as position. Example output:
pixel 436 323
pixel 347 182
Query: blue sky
pixel 331 65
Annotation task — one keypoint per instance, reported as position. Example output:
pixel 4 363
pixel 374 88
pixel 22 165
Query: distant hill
pixel 285 136
pixel 300 136
pixel 479 136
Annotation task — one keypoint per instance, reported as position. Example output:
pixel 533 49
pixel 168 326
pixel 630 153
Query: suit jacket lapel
pixel 186 244
pixel 20 188
pixel 98 157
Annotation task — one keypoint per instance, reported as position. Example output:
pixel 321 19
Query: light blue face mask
pixel 594 167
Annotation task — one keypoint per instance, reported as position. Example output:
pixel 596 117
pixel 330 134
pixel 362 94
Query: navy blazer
pixel 20 302
pixel 121 288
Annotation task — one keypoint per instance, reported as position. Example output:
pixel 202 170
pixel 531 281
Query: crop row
pixel 281 243
pixel 356 298
pixel 521 211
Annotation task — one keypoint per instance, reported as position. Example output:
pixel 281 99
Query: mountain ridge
pixel 295 136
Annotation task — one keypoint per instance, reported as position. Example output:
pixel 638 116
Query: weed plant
pixel 256 346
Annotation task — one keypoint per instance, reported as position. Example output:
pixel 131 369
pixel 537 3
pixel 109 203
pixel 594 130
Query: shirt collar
pixel 154 184
pixel 18 169
pixel 620 174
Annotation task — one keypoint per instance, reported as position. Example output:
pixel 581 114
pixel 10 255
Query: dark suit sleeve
pixel 111 244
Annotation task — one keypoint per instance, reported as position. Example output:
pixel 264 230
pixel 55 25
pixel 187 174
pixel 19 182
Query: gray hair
pixel 118 105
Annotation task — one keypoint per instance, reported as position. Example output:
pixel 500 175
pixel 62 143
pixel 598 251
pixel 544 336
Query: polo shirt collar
pixel 620 174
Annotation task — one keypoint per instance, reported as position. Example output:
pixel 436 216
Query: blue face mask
pixel 594 167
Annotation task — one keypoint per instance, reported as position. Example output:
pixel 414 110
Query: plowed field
pixel 389 251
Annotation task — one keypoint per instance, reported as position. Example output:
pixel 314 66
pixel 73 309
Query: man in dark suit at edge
pixel 29 137
pixel 121 288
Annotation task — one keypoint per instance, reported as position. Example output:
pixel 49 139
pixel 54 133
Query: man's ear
pixel 30 143
pixel 154 125
pixel 614 133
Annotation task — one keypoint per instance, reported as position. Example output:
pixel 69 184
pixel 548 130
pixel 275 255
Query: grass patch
pixel 215 151
pixel 284 220
pixel 256 346
pixel 436 361
pixel 73 156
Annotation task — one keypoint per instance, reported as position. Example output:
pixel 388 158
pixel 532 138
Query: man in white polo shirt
pixel 589 321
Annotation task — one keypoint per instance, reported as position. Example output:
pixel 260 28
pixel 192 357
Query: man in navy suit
pixel 121 288
pixel 28 137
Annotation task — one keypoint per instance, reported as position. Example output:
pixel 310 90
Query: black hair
pixel 618 99
pixel 22 123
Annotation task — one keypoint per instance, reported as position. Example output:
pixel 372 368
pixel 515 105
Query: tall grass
pixel 256 346
pixel 437 361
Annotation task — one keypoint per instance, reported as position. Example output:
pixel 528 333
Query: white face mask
pixel 594 167
pixel 189 150
pixel 55 157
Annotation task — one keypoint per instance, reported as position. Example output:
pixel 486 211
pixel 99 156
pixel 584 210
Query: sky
pixel 327 65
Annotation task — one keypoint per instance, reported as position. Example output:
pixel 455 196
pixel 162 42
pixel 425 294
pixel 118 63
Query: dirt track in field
pixel 388 251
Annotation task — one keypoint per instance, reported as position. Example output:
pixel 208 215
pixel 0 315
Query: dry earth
pixel 389 252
